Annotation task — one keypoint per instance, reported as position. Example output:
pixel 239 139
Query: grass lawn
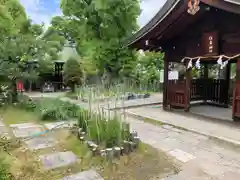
pixel 12 115
pixel 144 164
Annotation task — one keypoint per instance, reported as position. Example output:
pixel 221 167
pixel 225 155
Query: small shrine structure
pixel 197 34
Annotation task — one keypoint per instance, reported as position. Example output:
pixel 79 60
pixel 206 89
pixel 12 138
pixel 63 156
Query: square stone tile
pixel 181 155
pixel 1 123
pixel 3 130
pixel 85 175
pixel 62 124
pixel 41 143
pixel 26 132
pixel 24 125
pixel 58 159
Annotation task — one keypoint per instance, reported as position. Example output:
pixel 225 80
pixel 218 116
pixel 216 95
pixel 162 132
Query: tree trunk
pixel 14 91
pixel 73 88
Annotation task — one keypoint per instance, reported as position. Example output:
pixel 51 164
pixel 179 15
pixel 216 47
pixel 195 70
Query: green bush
pixel 72 110
pixel 113 133
pixel 5 94
pixel 106 132
pixel 26 103
pixel 4 169
pixel 83 119
pixel 56 109
pixel 51 109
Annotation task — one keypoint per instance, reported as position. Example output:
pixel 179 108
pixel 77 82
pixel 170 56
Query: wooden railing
pixel 213 90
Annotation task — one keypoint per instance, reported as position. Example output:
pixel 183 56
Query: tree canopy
pixel 72 73
pixel 22 41
pixel 98 27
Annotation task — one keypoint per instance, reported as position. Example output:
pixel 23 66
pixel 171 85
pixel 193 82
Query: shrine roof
pixel 171 12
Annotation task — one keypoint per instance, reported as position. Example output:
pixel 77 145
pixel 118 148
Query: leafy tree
pixel 98 28
pixel 72 73
pixel 148 66
pixel 21 41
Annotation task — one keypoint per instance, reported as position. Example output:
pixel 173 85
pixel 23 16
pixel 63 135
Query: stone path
pixel 155 98
pixel 209 128
pixel 53 160
pixel 201 157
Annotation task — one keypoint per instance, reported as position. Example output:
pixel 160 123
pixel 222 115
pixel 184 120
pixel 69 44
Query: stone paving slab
pixel 57 125
pixel 24 125
pixel 230 176
pixel 191 171
pixel 85 175
pixel 3 129
pixel 181 155
pixel 58 159
pixel 26 132
pixel 41 143
pixel 1 123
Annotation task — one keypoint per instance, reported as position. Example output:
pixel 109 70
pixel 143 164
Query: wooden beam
pixel 221 4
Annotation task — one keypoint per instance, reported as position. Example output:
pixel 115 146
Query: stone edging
pixel 110 153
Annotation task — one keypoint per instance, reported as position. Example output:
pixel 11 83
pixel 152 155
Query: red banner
pixel 20 86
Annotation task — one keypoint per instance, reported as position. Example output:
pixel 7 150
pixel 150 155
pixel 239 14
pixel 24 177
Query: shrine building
pixel 200 35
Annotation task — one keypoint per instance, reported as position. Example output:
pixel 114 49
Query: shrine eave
pixel 171 11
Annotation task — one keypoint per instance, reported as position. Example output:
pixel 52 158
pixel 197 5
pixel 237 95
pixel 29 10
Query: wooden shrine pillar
pixel 236 94
pixel 165 82
pixel 188 88
pixel 228 79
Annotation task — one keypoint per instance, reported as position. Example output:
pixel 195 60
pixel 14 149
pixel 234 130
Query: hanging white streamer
pixel 189 64
pixel 197 65
pixel 219 61
pixel 224 64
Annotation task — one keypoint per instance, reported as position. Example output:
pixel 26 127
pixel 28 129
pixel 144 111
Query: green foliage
pixel 83 118
pixel 5 94
pixel 113 132
pixel 22 41
pixel 45 66
pixel 72 73
pixel 24 102
pixel 55 109
pixel 4 169
pixel 106 131
pixel 98 29
pixel 148 66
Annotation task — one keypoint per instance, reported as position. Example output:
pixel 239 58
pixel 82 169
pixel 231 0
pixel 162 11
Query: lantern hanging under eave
pixel 193 6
